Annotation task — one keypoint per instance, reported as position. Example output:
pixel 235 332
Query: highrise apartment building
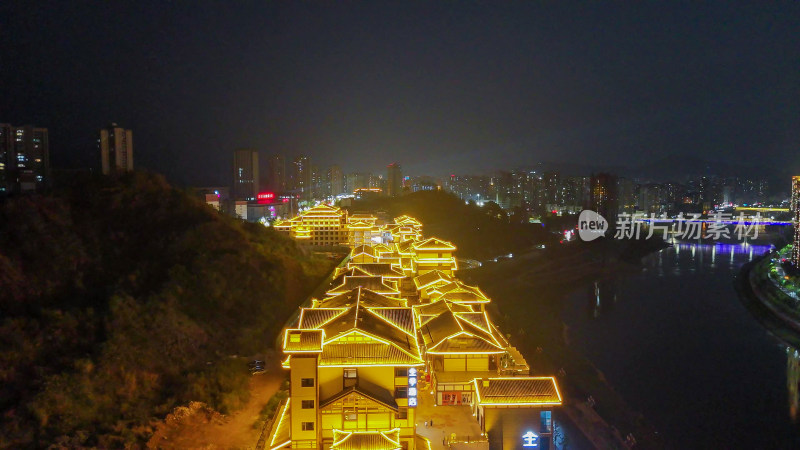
pixel 24 159
pixel 245 174
pixel 116 149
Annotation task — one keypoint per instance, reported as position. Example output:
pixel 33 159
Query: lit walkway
pixel 446 420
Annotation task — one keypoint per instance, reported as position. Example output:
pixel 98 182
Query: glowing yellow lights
pixel 278 429
pixel 367 440
pixel 517 391
pixel 364 325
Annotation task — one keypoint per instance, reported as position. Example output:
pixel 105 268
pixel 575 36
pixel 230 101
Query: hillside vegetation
pixel 121 299
pixel 479 232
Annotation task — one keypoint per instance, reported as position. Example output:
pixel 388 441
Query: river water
pixel 680 347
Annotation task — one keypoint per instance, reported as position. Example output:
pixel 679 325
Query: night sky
pixel 439 87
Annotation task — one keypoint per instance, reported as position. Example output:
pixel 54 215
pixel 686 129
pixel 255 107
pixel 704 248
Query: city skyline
pixel 609 85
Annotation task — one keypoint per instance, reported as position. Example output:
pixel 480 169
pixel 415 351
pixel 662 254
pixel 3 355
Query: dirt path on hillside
pixel 202 428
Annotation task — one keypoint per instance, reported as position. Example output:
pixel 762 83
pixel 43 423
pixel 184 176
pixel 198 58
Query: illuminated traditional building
pixel 353 363
pixel 461 344
pixel 380 285
pixel 363 233
pixel 355 356
pixel 434 254
pixel 429 281
pixel 321 225
pixel 457 292
pixel 516 412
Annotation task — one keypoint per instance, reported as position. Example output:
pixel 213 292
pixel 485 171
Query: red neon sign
pixel 265 197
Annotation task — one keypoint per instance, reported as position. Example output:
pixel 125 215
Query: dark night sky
pixel 439 87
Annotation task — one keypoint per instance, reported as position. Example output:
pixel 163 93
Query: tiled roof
pixel 379 335
pixel 373 283
pixel 349 272
pixel 302 341
pixel 459 332
pixel 378 269
pixel 403 318
pixel 364 388
pixel 322 210
pixel 363 249
pixel 360 295
pixel 405 247
pixel 430 278
pixel 381 249
pixel 434 244
pixel 477 319
pixel 466 345
pixel 462 297
pixel 366 440
pixel 430 311
pixel 365 354
pixel 315 317
pixel 517 390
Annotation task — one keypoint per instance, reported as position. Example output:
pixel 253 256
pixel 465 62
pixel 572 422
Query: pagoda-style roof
pixel 434 244
pixel 321 211
pixel 360 225
pixel 359 334
pixel 382 249
pixel 366 440
pixel 376 284
pixel 429 311
pixel 385 270
pixel 457 291
pixel 303 341
pixel 363 217
pixel 405 247
pixel 462 297
pixel 517 391
pixel 342 272
pixel 460 332
pixel 407 220
pixel 380 395
pixel 361 296
pixel 317 316
pixel 432 278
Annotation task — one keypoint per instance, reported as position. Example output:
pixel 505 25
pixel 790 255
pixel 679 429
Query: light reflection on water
pixel 690 258
pixel 679 345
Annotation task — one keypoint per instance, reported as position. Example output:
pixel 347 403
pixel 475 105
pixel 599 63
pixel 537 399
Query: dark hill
pixel 122 298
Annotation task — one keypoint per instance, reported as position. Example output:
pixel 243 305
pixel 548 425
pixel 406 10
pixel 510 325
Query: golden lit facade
pixel 516 412
pixel 321 225
pixel 395 310
pixel 349 361
pixel 325 225
pixel 434 254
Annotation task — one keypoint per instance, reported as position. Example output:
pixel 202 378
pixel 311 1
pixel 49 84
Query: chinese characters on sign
pixel 691 226
pixel 530 439
pixel 412 387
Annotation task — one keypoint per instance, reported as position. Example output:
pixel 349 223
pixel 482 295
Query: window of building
pixel 308 426
pixel 351 373
pixel 307 382
pixel 402 413
pixel 401 392
pixel 546 420
pixel 400 372
pixel 307 404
